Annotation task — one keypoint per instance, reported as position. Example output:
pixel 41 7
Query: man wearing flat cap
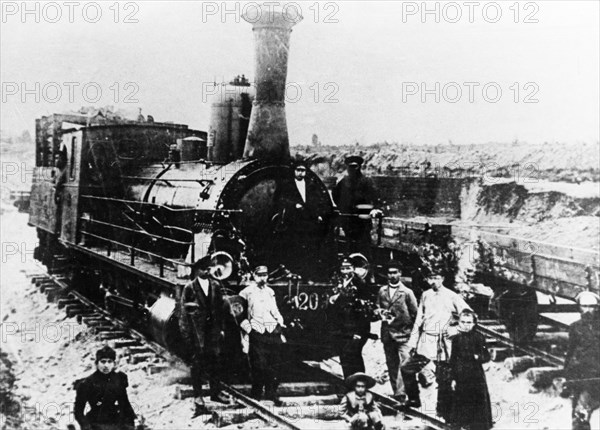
pixel 582 363
pixel 105 391
pixel 358 407
pixel 264 326
pixel 355 197
pixel 202 325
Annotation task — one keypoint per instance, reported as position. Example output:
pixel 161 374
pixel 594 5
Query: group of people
pixel 428 341
pixel 202 324
pixel 439 329
pixel 425 342
pixel 302 217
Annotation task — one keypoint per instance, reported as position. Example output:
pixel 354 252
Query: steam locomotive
pixel 126 208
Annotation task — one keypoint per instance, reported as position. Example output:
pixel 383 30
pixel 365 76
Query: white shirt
pixel 301 185
pixel 204 283
pixel 433 318
pixel 263 314
pixel 393 287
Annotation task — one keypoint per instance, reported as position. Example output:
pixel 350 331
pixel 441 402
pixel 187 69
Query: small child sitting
pixel 358 406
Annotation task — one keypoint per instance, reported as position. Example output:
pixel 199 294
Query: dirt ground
pixel 45 353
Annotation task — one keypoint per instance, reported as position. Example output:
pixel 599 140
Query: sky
pixel 408 72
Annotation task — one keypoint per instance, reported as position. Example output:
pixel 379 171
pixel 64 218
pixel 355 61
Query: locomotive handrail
pixel 133 202
pixel 180 242
pixel 116 242
pixel 144 178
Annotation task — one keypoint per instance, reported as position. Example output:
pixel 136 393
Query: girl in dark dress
pixel 472 408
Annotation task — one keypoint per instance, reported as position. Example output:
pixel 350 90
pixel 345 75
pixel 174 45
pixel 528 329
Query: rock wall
pixel 509 202
pixel 410 197
pixel 475 200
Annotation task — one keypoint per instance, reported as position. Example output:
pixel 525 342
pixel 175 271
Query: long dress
pixel 472 408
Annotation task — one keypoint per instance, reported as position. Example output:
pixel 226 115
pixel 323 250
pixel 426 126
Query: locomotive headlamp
pixel 361 265
pixel 221 265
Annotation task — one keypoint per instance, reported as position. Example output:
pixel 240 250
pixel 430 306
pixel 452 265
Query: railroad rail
pixel 495 335
pixel 139 348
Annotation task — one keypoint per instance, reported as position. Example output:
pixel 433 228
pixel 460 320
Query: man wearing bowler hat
pixel 105 391
pixel 355 197
pixel 202 325
pixel 358 407
pixel 264 326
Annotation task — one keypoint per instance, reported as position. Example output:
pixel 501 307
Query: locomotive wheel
pixel 518 311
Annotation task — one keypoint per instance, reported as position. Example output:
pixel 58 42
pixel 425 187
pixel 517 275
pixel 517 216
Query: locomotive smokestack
pixel 267 133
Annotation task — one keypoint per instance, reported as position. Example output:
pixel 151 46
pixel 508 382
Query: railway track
pixel 312 403
pixel 502 346
pixel 136 346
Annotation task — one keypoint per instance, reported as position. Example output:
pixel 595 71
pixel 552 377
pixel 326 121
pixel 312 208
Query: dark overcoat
pixel 471 405
pixel 107 397
pixel 582 363
pixel 202 318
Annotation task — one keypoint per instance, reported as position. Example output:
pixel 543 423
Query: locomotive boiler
pixel 127 208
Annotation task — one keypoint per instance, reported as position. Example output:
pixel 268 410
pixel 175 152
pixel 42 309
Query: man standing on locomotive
pixel 350 314
pixel 264 325
pixel 355 197
pixel 582 363
pixel 202 324
pixel 398 309
pixel 298 219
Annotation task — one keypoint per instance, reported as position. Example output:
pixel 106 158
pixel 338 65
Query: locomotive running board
pixel 137 270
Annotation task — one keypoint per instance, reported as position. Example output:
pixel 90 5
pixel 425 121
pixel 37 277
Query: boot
pixel 273 397
pixel 271 393
pixel 379 426
pixel 256 392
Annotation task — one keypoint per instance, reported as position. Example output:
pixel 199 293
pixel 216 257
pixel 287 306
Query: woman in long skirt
pixel 472 408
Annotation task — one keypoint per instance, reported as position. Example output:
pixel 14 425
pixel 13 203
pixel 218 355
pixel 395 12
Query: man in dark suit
pixel 398 309
pixel 202 324
pixel 355 196
pixel 299 223
pixel 350 314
